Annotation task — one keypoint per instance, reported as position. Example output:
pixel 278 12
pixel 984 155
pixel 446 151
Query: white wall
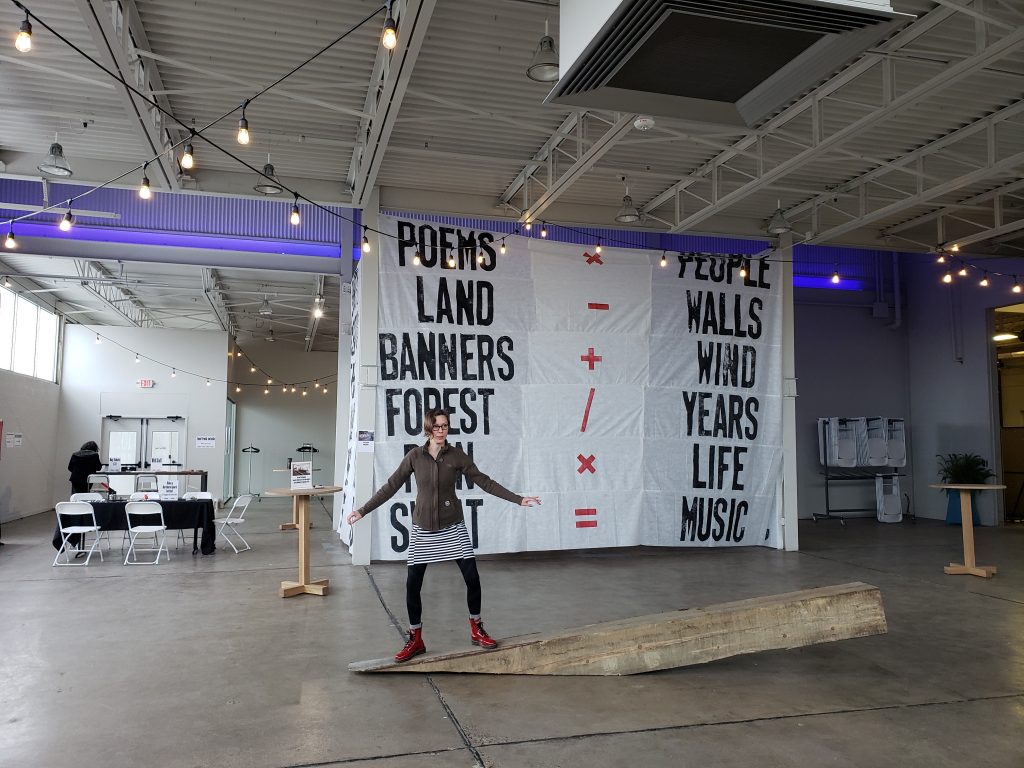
pixel 952 369
pixel 279 422
pixel 848 363
pixel 27 480
pixel 94 376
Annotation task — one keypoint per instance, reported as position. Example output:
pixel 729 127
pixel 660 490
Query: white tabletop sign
pixel 168 489
pixel 156 464
pixel 301 475
pixel 114 464
pixel 206 441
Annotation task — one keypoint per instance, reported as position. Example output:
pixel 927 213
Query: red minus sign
pixel 595 305
pixel 586 523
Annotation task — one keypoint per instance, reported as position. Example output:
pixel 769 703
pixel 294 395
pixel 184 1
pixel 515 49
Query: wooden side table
pixel 969 567
pixel 294 524
pixel 300 512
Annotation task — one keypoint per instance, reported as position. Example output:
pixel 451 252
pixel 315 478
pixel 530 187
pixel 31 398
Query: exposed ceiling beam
pixel 822 143
pixel 541 156
pixel 991 233
pixel 314 321
pixel 116 297
pixel 970 202
pixel 211 292
pixel 391 74
pixel 556 187
pixel 116 30
pixel 798 110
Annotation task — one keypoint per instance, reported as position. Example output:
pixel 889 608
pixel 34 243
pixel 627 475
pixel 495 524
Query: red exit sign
pixel 145 383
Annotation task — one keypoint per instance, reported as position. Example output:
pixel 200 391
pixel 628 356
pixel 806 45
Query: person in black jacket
pixel 84 462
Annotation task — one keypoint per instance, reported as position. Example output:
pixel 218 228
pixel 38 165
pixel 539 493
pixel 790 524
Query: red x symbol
pixel 593 259
pixel 587 463
pixel 590 358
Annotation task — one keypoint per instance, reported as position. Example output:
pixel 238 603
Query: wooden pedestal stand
pixel 969 567
pixel 300 513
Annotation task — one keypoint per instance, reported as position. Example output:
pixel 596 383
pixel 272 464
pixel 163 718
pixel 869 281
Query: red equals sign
pixel 586 512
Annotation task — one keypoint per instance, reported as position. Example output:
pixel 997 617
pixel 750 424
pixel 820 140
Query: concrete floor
pixel 198 663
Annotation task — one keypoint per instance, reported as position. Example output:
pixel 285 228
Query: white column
pixel 342 393
pixel 366 417
pixel 790 533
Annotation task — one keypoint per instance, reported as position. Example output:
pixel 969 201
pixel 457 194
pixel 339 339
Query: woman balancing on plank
pixel 439 530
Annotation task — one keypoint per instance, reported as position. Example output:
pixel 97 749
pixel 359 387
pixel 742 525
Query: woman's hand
pixel 354 518
pixel 530 501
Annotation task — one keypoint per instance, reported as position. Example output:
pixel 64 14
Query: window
pixel 28 337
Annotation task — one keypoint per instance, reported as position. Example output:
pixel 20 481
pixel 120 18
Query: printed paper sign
pixel 17 439
pixel 301 475
pixel 365 444
pixel 156 463
pixel 206 441
pixel 114 464
pixel 168 489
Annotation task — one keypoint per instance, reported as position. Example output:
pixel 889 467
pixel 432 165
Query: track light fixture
pixel 544 64
pixel 628 214
pixel 389 36
pixel 295 218
pixel 144 190
pixel 267 183
pixel 55 164
pixel 243 126
pixel 10 243
pixel 68 220
pixel 23 42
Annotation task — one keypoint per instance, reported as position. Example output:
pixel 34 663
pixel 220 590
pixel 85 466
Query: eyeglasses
pixel 439 428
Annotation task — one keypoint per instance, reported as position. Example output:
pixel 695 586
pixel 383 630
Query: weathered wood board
pixel 673 639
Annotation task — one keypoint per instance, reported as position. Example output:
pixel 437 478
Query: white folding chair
pixel 76 517
pixel 144 496
pixel 235 517
pixel 99 483
pixel 149 483
pixel 92 496
pixel 145 517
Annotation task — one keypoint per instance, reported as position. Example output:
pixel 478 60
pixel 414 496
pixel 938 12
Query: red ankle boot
pixel 412 648
pixel 479 635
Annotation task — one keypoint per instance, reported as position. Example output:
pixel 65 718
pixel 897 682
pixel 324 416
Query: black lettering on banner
pixel 713 519
pixel 428 246
pixel 726 365
pixel 469 302
pixel 406 240
pixel 490 257
pixel 400 537
pixel 469 409
pixel 474 528
pixel 388 356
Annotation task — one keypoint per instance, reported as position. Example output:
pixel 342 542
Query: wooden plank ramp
pixel 668 640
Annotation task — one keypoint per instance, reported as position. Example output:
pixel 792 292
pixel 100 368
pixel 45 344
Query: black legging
pixel 415 581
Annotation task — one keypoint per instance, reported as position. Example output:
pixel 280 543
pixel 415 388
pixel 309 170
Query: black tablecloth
pixel 194 514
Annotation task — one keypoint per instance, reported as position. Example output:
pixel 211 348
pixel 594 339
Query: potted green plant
pixel 962 469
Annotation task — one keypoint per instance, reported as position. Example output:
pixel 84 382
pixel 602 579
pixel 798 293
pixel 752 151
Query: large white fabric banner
pixel 641 403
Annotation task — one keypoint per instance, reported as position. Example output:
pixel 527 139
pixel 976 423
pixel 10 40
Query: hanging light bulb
pixel 1016 285
pixel 543 229
pixel 941 258
pixel 480 258
pixel 295 219
pixel 266 391
pixel 528 226
pixel 954 248
pixel 269 382
pixel 173 373
pixel 209 383
pixel 238 388
pixel 664 259
pixel 293 387
pixel 597 250
pixel 98 339
pixel 304 392
pixel 366 242
pixel 835 277
pixel 389 36
pixel 243 126
pixel 284 389
pixel 743 271
pixel 318 312
pixel 451 259
pixel 316 384
pixel 23 42
pixel 187 158
pixel 416 259
pixel 984 281
pixel 963 271
pixel 948 277
pixel 324 390
pixel 67 221
pixel 137 360
pixel 144 190
pixel 502 247
pixel 10 243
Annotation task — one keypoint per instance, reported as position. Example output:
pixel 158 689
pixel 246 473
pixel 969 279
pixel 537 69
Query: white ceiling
pixel 911 146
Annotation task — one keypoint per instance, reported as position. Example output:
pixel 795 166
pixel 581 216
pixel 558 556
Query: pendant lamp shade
pixel 55 164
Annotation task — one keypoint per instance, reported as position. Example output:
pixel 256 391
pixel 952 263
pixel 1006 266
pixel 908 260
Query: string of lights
pixel 318 383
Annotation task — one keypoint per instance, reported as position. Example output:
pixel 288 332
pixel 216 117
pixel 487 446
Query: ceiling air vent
pixel 709 61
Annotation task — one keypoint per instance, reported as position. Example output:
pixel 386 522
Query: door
pixel 122 438
pixel 229 450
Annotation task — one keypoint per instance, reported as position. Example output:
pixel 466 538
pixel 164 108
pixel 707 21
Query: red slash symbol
pixel 588 511
pixel 586 411
pixel 587 464
pixel 595 259
pixel 590 358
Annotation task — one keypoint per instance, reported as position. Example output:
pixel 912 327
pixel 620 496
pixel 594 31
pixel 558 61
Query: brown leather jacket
pixel 437 506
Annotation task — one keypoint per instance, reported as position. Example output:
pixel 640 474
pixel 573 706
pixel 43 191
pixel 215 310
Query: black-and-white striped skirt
pixel 451 543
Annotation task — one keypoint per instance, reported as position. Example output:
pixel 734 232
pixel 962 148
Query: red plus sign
pixel 593 258
pixel 590 358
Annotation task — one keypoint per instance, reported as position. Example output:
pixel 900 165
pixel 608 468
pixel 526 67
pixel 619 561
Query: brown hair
pixel 429 416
